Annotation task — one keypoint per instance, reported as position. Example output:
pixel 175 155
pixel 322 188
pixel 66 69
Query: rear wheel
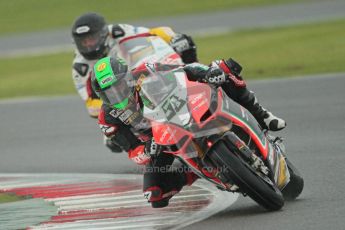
pixel 235 170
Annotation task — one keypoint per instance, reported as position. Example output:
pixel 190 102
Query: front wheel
pixel 234 169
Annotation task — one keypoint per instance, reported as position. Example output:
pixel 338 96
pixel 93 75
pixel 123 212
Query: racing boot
pixel 159 188
pixel 265 118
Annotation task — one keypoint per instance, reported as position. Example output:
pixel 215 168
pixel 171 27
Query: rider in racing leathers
pixel 121 119
pixel 94 39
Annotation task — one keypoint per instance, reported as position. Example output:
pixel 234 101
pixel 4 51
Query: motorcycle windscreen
pixel 138 50
pixel 158 86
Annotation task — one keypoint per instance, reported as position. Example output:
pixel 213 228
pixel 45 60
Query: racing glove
pixel 215 76
pixel 142 154
pixel 232 72
pixel 111 145
pixel 117 31
pixel 185 47
pixel 229 66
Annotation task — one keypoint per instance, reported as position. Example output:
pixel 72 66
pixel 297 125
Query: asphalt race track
pixel 55 136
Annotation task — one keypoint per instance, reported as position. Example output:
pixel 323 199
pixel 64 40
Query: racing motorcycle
pixel 218 139
pixel 145 48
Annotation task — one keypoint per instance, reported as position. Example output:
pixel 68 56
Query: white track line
pixel 81 197
pixel 106 222
pixel 186 207
pixel 107 198
pixel 122 203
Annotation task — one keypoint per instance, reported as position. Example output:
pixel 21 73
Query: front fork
pixel 235 145
pixel 274 166
pixel 277 162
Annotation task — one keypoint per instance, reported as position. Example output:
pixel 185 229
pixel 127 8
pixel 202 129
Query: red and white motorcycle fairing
pixel 190 117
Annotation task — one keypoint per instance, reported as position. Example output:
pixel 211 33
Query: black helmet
pixel 90 34
pixel 112 82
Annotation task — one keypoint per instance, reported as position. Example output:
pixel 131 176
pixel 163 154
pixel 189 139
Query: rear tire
pixel 237 171
pixel 294 188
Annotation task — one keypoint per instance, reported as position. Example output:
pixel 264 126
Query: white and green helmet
pixel 113 82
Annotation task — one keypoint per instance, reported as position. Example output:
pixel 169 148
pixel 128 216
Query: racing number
pixel 172 105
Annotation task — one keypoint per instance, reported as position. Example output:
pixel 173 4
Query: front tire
pixel 234 169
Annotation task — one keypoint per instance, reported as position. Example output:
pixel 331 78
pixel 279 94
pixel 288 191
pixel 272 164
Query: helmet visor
pixel 117 94
pixel 91 42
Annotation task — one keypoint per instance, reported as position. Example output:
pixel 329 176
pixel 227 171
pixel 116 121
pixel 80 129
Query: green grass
pixel 34 15
pixel 307 49
pixel 4 198
pixel 41 75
